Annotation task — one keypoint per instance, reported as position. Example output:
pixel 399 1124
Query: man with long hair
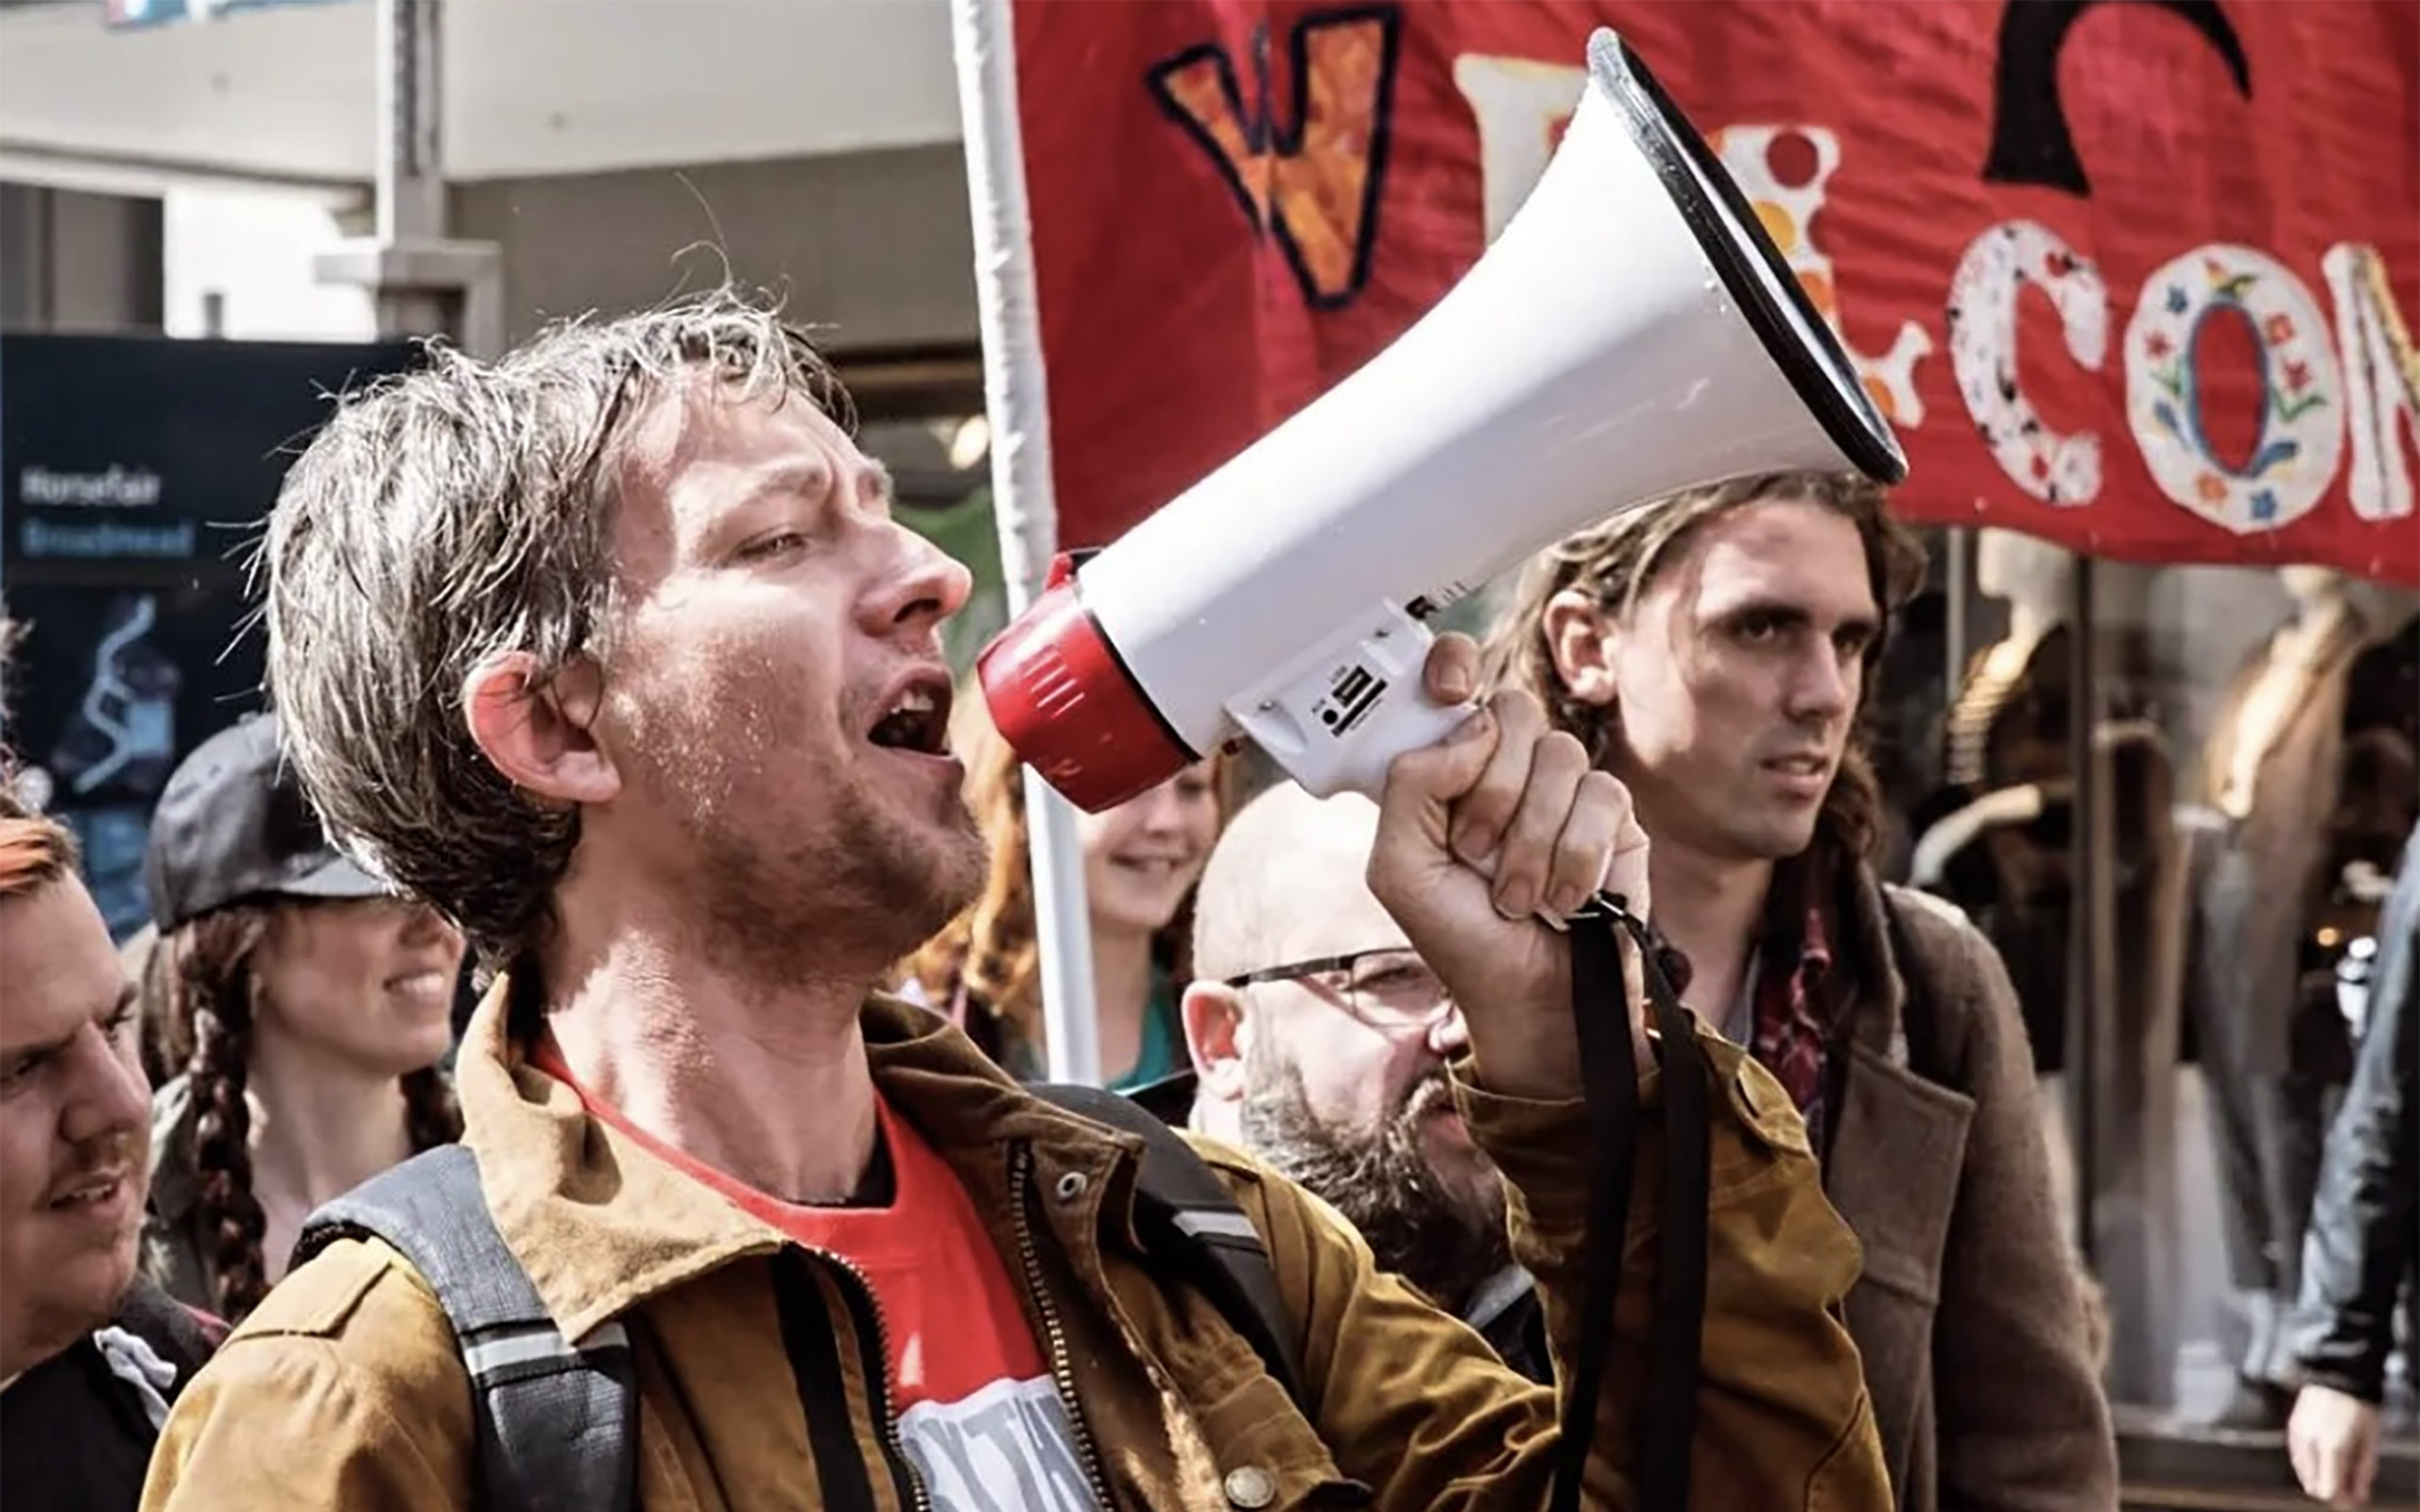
pixel 1711 650
pixel 89 1356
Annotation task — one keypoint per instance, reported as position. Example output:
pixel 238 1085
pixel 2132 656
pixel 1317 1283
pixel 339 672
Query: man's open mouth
pixel 916 719
pixel 90 1192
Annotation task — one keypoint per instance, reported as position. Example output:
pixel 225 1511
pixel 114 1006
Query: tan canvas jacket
pixel 345 1390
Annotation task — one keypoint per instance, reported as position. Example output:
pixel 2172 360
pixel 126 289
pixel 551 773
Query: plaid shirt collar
pixel 1790 1023
pixel 1799 913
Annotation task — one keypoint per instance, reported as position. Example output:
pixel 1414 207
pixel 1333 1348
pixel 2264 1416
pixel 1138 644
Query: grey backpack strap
pixel 557 1424
pixel 1188 1218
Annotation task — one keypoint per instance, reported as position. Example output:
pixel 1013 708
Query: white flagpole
pixel 1026 516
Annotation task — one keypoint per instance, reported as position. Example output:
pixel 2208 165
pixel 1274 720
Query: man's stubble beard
pixel 850 896
pixel 1742 831
pixel 870 886
pixel 1445 1242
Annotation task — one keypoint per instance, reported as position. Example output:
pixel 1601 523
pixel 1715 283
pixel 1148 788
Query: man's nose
pixel 108 1096
pixel 927 587
pixel 1823 687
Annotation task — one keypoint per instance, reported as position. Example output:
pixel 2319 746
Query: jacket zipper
pixel 1062 1372
pixel 883 1414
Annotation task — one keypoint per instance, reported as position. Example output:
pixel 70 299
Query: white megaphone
pixel 1630 333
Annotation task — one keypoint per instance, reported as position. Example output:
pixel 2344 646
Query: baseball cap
pixel 233 824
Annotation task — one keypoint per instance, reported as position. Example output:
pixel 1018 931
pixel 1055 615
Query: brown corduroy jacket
pixel 1971 1313
pixel 345 1390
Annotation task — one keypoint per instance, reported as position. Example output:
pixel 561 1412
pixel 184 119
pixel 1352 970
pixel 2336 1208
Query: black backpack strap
pixel 1187 1216
pixel 557 1424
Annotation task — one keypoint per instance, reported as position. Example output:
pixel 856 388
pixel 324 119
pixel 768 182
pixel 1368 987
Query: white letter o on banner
pixel 2301 425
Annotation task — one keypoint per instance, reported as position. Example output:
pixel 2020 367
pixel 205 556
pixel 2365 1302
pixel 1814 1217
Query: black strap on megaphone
pixel 1609 1076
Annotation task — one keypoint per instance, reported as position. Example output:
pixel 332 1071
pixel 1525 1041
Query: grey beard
pixel 1446 1245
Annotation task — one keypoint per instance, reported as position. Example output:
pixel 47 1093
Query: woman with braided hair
pixel 316 1004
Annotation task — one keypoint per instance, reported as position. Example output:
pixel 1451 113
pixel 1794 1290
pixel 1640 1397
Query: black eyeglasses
pixel 1389 988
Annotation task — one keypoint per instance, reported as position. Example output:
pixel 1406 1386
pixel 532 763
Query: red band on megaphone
pixel 1069 708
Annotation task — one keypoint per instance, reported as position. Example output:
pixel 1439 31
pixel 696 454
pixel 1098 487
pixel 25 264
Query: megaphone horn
pixel 1633 333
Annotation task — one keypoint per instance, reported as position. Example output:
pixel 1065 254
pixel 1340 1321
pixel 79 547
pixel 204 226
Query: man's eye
pixel 1759 628
pixel 779 543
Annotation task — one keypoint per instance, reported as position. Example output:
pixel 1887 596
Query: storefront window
pixel 2289 705
pixel 2177 909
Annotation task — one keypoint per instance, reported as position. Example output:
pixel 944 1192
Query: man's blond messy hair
pixel 455 514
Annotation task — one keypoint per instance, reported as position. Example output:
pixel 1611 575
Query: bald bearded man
pixel 1320 1039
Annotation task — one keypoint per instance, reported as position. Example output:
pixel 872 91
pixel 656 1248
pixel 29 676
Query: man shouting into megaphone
pixel 613 650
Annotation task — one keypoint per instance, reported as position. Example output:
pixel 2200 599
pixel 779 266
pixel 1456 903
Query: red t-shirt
pixel 975 1406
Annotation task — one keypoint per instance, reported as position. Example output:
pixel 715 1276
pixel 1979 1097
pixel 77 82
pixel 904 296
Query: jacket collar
pixel 1876 994
pixel 601 1225
pixel 1842 898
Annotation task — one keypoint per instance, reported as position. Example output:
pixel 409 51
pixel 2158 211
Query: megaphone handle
pixel 1335 718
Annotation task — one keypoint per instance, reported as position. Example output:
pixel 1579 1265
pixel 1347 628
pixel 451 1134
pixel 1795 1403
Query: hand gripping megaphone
pixel 1632 333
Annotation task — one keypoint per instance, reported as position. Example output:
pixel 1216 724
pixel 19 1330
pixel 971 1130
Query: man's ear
pixel 539 734
pixel 1217 1036
pixel 1575 633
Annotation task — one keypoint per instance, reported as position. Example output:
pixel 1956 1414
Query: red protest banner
pixel 2129 276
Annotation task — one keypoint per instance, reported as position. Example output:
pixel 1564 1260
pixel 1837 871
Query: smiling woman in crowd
pixel 1141 862
pixel 315 1005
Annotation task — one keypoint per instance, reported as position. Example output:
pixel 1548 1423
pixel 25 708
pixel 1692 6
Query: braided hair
pixel 214 996
pixel 212 983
